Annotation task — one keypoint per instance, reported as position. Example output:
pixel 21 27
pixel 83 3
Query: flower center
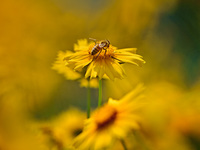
pixel 105 116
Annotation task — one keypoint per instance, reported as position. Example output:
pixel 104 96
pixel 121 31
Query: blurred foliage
pixel 165 32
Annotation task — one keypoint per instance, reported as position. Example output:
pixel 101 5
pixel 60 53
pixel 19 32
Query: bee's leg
pixel 98 54
pixel 105 51
pixel 120 62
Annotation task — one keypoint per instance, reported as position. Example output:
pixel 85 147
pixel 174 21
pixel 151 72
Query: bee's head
pixel 106 43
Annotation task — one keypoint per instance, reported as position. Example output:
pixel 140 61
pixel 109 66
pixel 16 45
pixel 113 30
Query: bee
pixel 99 46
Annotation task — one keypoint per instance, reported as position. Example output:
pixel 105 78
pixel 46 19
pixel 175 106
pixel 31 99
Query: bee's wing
pixel 102 44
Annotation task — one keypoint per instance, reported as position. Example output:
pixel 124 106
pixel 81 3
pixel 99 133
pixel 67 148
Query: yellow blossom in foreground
pixel 107 63
pixel 114 121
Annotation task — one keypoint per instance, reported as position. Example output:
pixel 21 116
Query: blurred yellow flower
pixel 60 65
pixel 111 122
pixel 60 132
pixel 102 63
pixel 85 82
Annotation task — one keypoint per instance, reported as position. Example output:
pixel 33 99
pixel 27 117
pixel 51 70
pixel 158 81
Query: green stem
pixel 100 93
pixel 88 100
pixel 140 141
pixel 124 144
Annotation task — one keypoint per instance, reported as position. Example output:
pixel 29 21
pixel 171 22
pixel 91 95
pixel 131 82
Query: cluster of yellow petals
pixel 116 118
pixel 61 131
pixel 61 66
pixel 104 64
pixel 111 122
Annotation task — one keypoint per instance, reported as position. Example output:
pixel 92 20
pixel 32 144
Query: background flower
pixel 60 132
pixel 60 65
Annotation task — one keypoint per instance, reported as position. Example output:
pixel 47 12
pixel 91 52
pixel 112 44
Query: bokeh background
pixel 166 33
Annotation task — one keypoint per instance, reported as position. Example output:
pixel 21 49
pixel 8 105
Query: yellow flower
pixel 60 65
pixel 113 121
pixel 60 132
pixel 106 63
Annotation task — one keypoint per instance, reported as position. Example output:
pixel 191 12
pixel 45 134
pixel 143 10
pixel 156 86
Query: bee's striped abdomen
pixel 95 50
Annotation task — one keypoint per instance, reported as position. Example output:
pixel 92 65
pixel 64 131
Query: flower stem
pixel 140 140
pixel 100 93
pixel 88 100
pixel 124 144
